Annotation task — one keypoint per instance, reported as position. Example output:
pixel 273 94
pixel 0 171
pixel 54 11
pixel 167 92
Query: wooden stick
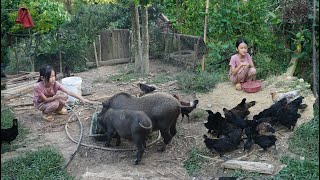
pixel 259 167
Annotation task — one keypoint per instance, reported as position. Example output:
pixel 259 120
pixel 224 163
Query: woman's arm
pixel 50 99
pixel 234 70
pixel 73 94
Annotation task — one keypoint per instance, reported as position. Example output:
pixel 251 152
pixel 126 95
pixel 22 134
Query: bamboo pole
pixel 60 59
pixel 205 34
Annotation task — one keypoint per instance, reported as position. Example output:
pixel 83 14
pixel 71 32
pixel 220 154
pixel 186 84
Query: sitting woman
pixel 241 66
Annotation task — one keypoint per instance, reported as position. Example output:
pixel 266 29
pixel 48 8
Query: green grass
pixel 193 163
pixel 198 114
pixel 299 169
pixel 125 77
pixel 160 78
pixel 45 163
pixel 197 82
pixel 304 142
pixel 6 122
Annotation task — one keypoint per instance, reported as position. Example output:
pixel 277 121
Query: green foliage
pixel 45 163
pixel 46 15
pixel 197 82
pixel 229 21
pixel 75 37
pixel 266 66
pixel 193 163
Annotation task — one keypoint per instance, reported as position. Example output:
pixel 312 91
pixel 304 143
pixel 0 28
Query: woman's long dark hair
pixel 239 41
pixel 45 71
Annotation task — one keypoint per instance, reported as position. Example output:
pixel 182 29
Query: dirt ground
pixel 96 163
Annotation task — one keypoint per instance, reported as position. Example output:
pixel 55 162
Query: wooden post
pixel 179 44
pixel 205 34
pixel 60 59
pixel 99 37
pixel 196 47
pixel 95 53
pixel 16 54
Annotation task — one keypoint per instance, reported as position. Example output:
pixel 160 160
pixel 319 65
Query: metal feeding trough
pixel 93 129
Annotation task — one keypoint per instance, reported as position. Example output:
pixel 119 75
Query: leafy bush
pixel 266 66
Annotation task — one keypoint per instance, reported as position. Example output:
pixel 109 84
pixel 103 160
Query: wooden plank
pixel 106 45
pixel 10 85
pixel 23 77
pixel 259 167
pixel 109 62
pixel 18 91
pixel 126 43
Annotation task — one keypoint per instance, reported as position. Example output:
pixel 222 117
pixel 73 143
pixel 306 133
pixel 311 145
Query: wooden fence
pixel 113 47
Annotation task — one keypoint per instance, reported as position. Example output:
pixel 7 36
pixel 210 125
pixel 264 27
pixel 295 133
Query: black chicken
pixel 242 109
pixel 10 134
pixel 272 110
pixel 66 72
pixel 185 110
pixel 225 144
pixel 218 125
pixel 146 88
pixel 288 115
pixel 237 120
pixel 265 141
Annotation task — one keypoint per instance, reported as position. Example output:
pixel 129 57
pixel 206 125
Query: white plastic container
pixel 72 84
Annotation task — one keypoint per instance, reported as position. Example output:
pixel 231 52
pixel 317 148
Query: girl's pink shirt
pixel 39 89
pixel 235 61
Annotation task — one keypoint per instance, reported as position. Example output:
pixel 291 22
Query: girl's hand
pixel 61 96
pixel 245 64
pixel 84 101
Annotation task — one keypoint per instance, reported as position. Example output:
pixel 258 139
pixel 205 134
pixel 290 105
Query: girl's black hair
pixel 45 71
pixel 239 41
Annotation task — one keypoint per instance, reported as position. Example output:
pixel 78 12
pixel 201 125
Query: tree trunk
pixel 145 41
pixel 136 39
pixel 294 61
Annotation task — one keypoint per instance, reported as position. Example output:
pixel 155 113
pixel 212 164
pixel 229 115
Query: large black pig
pixel 162 108
pixel 128 124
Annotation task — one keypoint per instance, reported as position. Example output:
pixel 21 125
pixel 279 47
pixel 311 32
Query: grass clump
pixel 193 163
pixel 197 82
pixel 45 163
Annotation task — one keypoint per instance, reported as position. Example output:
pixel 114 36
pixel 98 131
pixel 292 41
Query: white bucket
pixel 72 84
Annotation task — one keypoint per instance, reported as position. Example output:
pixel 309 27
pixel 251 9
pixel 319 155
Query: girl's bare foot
pixel 238 87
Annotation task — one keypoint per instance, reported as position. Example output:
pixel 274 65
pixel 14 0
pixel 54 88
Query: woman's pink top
pixel 39 89
pixel 235 61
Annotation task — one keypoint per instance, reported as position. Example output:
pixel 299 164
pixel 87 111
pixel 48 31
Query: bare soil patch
pixel 93 163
